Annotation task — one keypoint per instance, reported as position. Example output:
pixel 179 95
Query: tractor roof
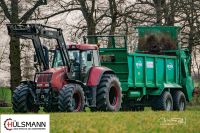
pixel 83 46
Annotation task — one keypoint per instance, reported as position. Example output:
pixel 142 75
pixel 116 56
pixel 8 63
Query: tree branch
pixel 28 14
pixel 57 13
pixel 5 9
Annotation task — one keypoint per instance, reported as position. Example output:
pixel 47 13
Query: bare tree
pixel 11 12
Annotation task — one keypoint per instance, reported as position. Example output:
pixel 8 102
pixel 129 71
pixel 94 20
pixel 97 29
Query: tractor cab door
pixel 57 61
pixel 74 56
pixel 89 58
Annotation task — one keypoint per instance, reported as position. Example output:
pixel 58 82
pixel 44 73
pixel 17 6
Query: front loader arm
pixel 34 32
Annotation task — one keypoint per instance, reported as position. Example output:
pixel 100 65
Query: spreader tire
pixel 163 102
pixel 179 101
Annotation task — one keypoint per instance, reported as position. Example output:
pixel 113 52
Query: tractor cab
pixel 82 58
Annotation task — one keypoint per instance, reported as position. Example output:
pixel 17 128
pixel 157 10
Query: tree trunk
pixel 113 12
pixel 12 13
pixel 171 13
pixel 190 47
pixel 15 69
pixel 91 30
pixel 158 9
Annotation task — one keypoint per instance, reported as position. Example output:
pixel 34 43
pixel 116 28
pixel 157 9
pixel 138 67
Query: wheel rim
pixel 113 96
pixel 76 102
pixel 181 104
pixel 168 104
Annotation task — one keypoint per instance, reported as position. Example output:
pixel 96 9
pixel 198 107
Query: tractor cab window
pixel 89 58
pixel 73 56
pixel 86 60
pixel 96 57
pixel 57 59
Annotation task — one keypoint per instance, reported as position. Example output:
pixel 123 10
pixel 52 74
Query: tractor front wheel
pixel 109 95
pixel 23 101
pixel 71 98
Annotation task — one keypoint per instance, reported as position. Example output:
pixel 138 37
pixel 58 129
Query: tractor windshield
pixel 73 55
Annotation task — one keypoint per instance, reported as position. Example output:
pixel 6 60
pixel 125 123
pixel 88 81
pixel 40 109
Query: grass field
pixel 124 122
pixel 5 95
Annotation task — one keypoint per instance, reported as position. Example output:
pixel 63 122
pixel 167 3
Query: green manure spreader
pixel 156 74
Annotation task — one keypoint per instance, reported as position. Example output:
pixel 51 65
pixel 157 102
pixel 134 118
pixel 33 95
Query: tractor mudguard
pixel 95 75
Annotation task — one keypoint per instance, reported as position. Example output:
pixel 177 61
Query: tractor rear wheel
pixel 71 98
pixel 179 100
pixel 163 102
pixel 23 101
pixel 109 95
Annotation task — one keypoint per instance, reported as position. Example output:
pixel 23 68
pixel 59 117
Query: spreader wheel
pixel 179 100
pixel 163 102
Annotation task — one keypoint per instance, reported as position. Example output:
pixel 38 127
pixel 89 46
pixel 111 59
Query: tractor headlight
pixel 46 85
pixel 39 85
pixel 43 85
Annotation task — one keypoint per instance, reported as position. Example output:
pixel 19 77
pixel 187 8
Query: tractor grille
pixel 43 77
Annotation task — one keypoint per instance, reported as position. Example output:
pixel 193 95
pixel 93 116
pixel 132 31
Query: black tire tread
pixel 65 98
pixel 159 103
pixel 21 100
pixel 176 95
pixel 102 90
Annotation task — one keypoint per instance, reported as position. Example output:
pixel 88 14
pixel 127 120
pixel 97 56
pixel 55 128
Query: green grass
pixel 143 122
pixel 119 122
pixel 123 122
pixel 5 95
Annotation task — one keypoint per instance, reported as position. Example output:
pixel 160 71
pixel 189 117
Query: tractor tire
pixel 71 98
pixel 179 101
pixel 51 108
pixel 23 101
pixel 163 102
pixel 109 95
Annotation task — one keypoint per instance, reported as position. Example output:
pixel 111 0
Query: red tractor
pixel 73 81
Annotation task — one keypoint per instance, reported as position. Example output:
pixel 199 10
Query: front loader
pixel 73 81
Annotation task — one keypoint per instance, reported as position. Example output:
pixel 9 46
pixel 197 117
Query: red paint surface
pixel 116 95
pixel 83 46
pixel 95 75
pixel 57 80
